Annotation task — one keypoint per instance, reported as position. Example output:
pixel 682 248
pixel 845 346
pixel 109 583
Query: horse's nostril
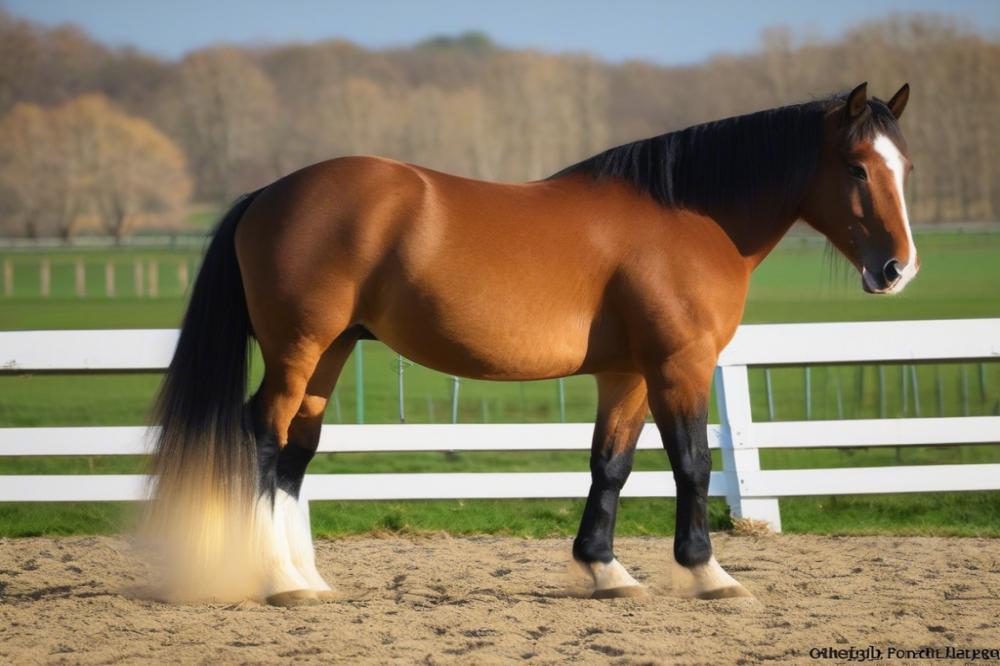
pixel 891 271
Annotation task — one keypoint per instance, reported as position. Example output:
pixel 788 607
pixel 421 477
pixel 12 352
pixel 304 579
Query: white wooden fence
pixel 750 491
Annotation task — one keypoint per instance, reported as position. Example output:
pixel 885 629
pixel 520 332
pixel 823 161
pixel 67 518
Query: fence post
pixel 859 396
pixel 182 276
pixel 739 457
pixel 359 381
pixel 770 394
pixel 838 391
pixel 401 388
pixel 809 393
pixel 45 277
pixel 137 274
pixel 561 395
pixel 883 408
pixel 939 389
pixel 8 277
pixel 454 399
pixel 109 279
pixel 965 390
pixel 154 279
pixel 80 279
pixel 904 390
pixel 982 381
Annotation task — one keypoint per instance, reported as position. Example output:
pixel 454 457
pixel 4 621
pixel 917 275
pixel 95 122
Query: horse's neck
pixel 754 237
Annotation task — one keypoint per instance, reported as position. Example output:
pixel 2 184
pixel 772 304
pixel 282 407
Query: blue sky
pixel 665 31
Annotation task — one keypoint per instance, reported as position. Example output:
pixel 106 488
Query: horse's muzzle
pixel 891 279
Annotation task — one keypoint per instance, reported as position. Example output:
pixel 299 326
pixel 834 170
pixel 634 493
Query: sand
pixel 502 600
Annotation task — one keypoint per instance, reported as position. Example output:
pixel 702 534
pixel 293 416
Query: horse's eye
pixel 857 171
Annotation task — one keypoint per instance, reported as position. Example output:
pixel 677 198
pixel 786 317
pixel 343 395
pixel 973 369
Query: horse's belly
pixel 482 337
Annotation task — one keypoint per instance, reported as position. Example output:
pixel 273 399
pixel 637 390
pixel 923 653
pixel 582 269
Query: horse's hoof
pixel 328 595
pixel 731 592
pixel 294 598
pixel 626 592
pixel 705 581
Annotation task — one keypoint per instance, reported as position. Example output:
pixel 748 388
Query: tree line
pixel 116 139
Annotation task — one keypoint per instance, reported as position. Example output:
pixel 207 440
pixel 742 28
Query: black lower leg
pixel 268 452
pixel 291 468
pixel 687 447
pixel 595 540
pixel 268 449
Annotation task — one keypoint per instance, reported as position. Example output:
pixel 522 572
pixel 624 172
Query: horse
pixel 632 266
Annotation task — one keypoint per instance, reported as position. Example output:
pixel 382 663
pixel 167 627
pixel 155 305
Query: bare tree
pixel 33 180
pixel 86 163
pixel 124 170
pixel 221 108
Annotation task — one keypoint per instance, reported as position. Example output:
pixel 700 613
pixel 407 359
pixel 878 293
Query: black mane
pixel 757 164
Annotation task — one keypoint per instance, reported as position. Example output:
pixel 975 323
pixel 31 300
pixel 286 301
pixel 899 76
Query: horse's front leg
pixel 621 412
pixel 678 397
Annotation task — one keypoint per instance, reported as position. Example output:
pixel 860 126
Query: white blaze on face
pixel 894 160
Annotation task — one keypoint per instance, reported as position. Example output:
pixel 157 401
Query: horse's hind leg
pixel 621 412
pixel 275 405
pixel 303 440
pixel 288 413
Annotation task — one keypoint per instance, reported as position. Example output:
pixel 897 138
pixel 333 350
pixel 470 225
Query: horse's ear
pixel 899 100
pixel 857 101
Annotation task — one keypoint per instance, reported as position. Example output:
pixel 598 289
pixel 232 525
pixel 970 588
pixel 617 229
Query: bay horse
pixel 632 266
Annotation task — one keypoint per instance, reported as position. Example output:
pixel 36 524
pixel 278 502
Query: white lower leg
pixel 611 576
pixel 278 570
pixel 300 544
pixel 705 581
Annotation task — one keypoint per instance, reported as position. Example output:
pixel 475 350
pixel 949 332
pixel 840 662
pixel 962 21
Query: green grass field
pixel 800 282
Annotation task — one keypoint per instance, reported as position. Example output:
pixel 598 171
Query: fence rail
pixel 750 491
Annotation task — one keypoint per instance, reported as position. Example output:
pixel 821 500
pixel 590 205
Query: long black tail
pixel 204 446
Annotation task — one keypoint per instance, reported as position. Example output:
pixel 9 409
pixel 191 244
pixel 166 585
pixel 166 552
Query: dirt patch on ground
pixel 493 599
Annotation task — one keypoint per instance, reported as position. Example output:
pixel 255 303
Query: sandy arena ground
pixel 493 600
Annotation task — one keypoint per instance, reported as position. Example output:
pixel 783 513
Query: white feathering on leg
pixel 708 580
pixel 300 544
pixel 611 579
pixel 279 572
